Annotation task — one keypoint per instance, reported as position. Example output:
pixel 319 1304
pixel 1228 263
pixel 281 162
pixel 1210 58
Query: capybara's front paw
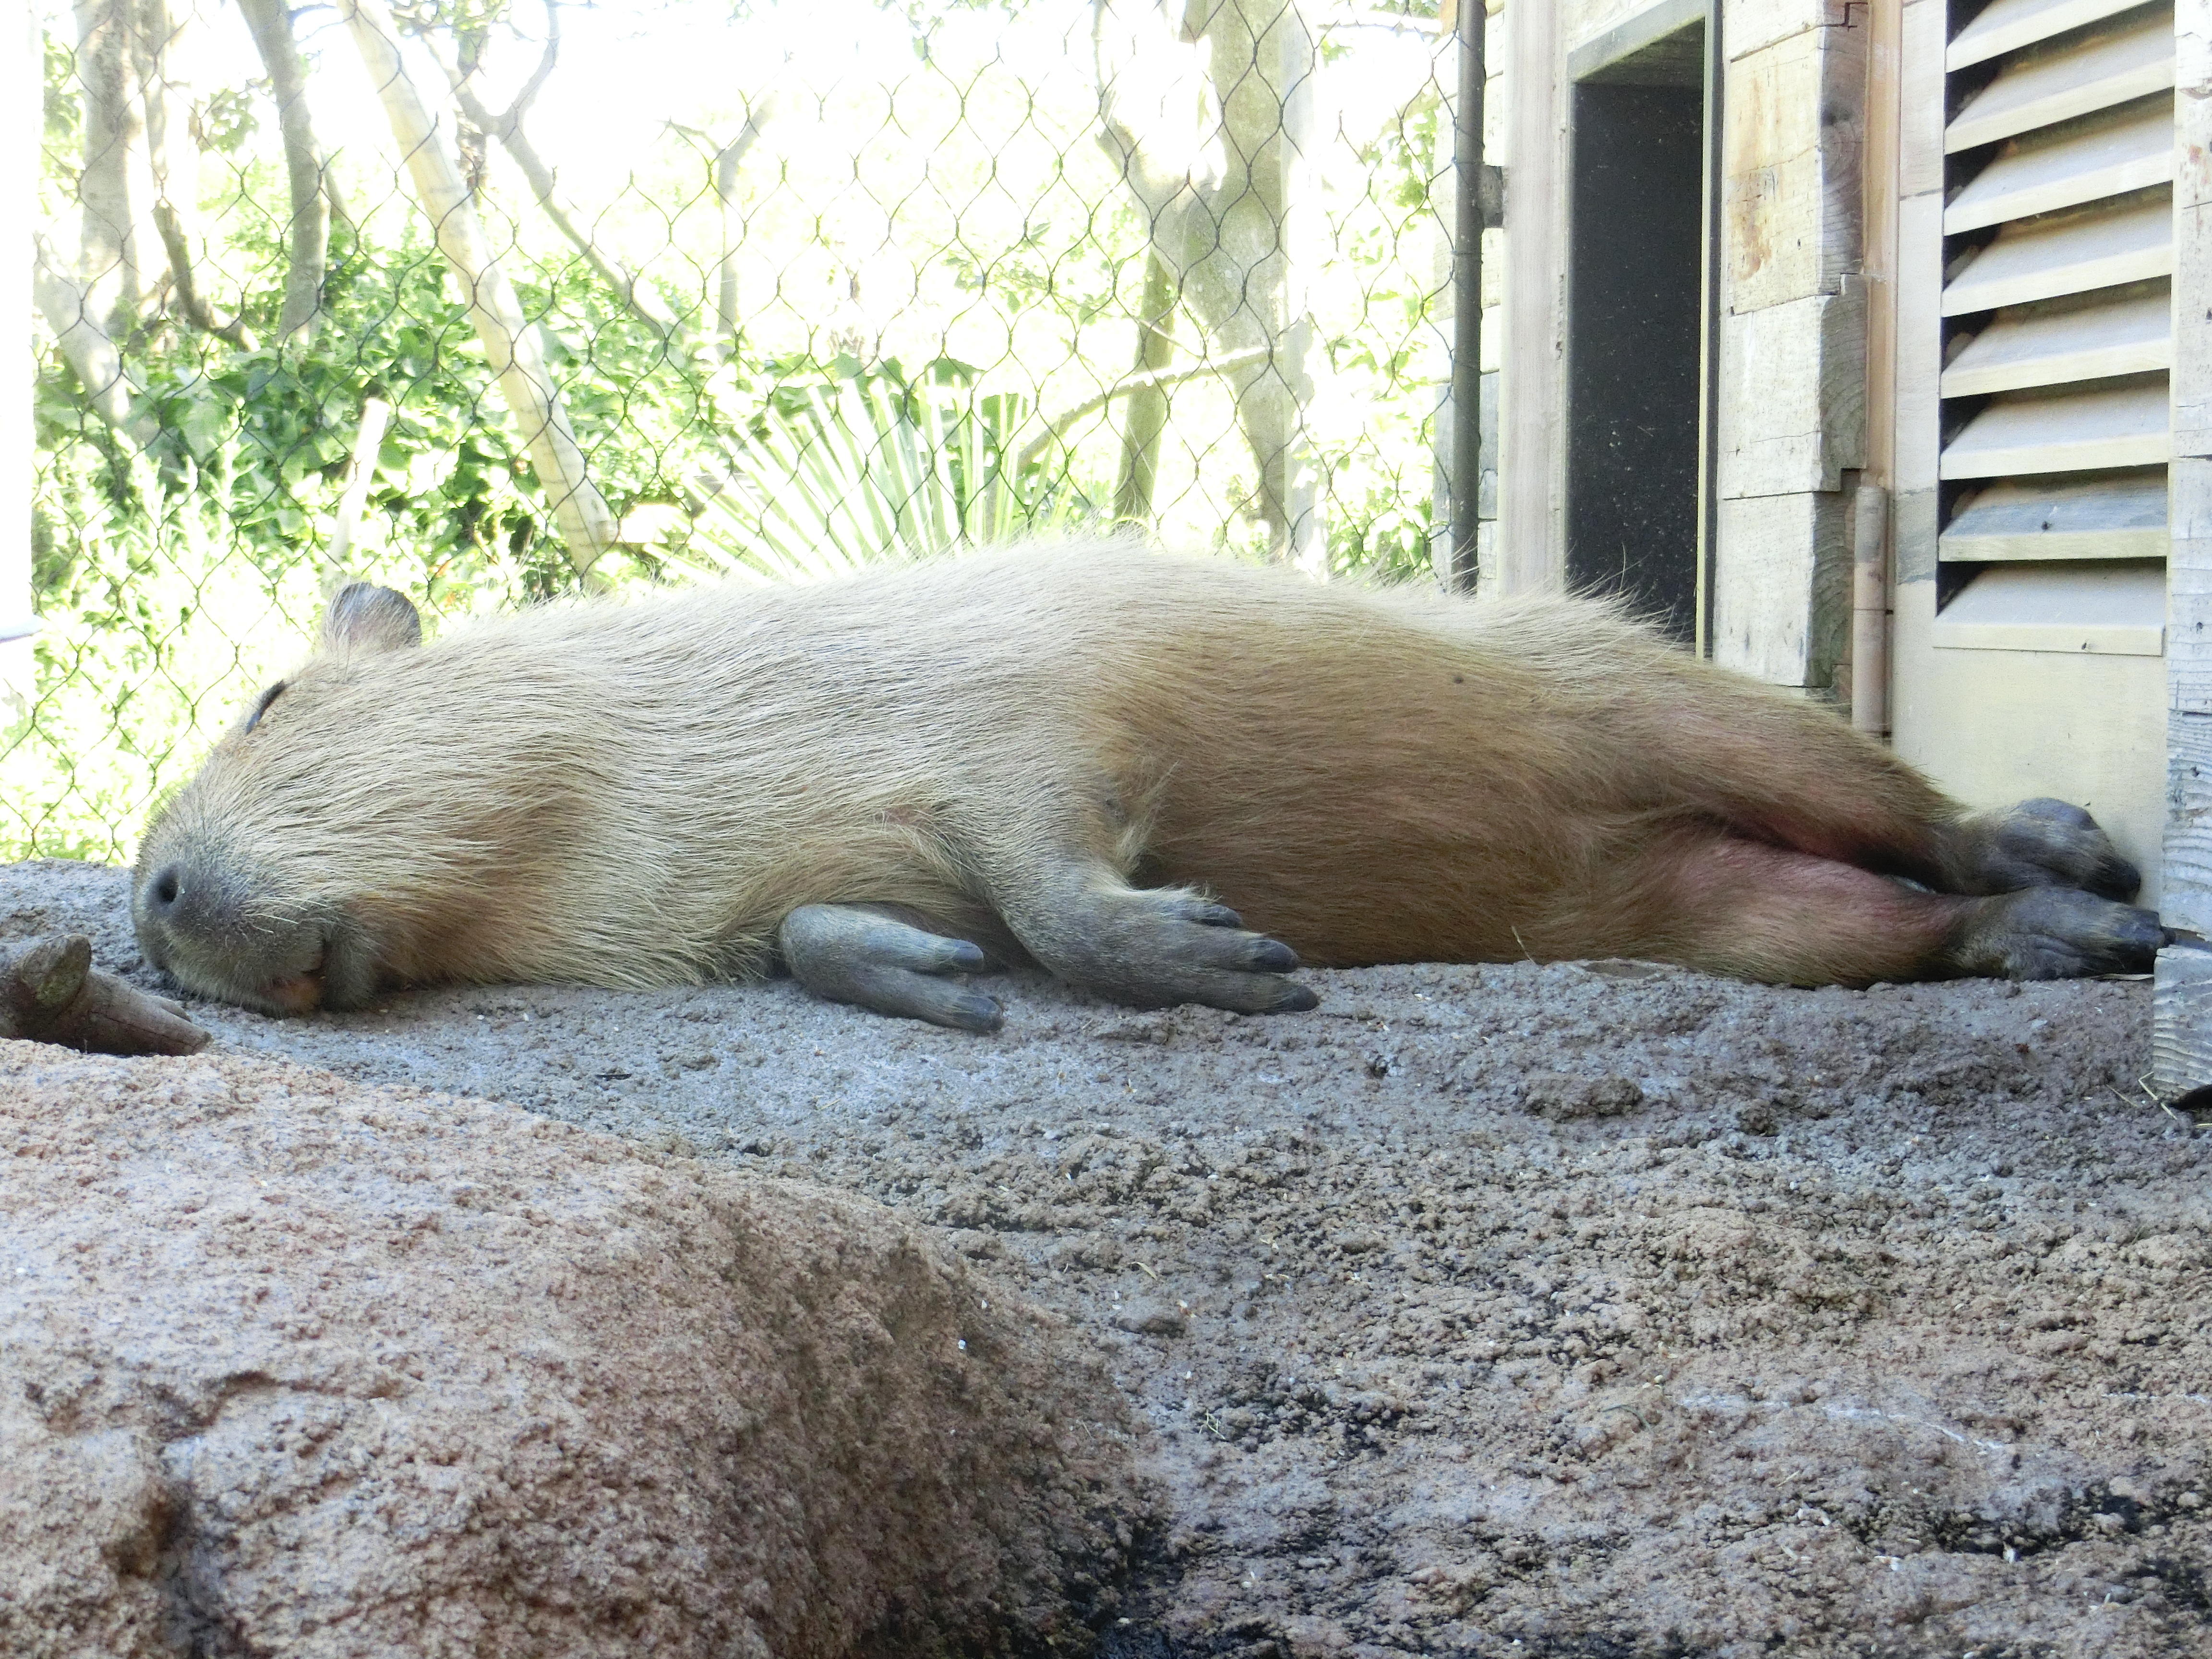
pixel 1191 950
pixel 1154 947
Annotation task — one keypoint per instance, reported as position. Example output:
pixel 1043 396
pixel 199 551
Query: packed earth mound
pixel 1601 1310
pixel 293 1364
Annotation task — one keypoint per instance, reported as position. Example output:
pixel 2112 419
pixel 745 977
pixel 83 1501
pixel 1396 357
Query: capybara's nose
pixel 165 890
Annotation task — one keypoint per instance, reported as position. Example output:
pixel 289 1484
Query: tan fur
pixel 637 795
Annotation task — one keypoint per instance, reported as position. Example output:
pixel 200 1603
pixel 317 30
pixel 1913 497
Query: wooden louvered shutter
pixel 2030 405
pixel 2058 252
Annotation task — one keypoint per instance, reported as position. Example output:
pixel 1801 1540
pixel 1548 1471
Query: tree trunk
pixel 115 189
pixel 136 224
pixel 728 324
pixel 1213 153
pixel 271 21
pixel 90 351
pixel 1147 416
pixel 586 526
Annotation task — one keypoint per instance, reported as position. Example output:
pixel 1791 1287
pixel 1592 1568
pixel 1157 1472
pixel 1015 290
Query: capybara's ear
pixel 365 618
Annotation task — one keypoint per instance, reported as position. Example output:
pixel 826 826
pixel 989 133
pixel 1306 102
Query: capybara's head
pixel 276 877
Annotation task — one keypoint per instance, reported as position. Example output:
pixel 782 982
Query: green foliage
pixel 960 214
pixel 172 581
pixel 866 468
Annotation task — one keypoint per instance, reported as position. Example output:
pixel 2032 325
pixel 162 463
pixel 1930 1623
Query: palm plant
pixel 862 471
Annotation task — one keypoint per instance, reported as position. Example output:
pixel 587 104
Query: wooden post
pixel 1869 662
pixel 1792 349
pixel 1872 559
pixel 2181 1005
pixel 1713 238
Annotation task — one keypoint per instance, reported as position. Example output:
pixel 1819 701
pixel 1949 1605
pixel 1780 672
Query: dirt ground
pixel 1577 1311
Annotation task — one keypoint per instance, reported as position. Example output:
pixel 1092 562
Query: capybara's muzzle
pixel 216 935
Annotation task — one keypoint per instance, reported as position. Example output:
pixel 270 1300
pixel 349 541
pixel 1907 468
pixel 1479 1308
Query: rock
pixel 1561 1096
pixel 1147 1318
pixel 291 1364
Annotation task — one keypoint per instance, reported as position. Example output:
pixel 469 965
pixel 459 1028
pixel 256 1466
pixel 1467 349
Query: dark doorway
pixel 1634 308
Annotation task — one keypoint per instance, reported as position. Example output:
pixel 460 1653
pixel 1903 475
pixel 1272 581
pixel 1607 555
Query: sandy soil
pixel 1577 1311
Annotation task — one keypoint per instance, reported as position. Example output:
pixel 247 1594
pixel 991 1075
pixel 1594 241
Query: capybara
pixel 1166 779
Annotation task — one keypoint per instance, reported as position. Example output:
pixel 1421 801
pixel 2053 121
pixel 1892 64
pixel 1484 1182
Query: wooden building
pixel 1931 282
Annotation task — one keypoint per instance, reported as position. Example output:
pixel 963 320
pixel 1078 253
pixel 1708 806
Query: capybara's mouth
pixel 297 994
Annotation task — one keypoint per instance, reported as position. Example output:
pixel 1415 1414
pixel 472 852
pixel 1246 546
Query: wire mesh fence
pixel 496 300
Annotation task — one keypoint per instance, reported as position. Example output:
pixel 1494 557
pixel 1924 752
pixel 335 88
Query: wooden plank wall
pixel 2182 1017
pixel 1793 336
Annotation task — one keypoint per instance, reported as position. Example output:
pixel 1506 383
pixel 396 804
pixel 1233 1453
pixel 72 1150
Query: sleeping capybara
pixel 1166 779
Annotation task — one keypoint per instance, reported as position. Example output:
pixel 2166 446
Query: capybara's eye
pixel 261 707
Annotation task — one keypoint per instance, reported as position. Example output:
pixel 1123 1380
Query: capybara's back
pixel 1085 754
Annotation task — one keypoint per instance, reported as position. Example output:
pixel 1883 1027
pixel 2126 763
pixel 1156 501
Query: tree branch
pixel 113 255
pixel 1152 380
pixel 1147 416
pixel 188 303
pixel 758 112
pixel 507 127
pixel 50 991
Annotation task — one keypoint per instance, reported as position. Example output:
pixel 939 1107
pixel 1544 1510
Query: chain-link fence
pixel 495 298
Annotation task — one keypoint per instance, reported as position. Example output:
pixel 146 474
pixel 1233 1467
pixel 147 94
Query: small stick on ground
pixel 50 991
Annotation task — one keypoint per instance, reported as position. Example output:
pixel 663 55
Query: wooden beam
pixel 2007 25
pixel 2131 60
pixel 1794 186
pixel 2073 429
pixel 1793 340
pixel 1639 33
pixel 2128 333
pixel 2124 149
pixel 1793 380
pixel 1781 600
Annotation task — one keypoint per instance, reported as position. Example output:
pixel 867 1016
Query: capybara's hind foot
pixel 2054 932
pixel 851 953
pixel 2041 843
